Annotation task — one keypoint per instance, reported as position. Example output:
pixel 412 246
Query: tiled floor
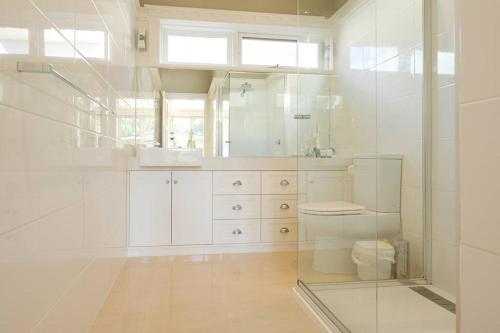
pixel 234 293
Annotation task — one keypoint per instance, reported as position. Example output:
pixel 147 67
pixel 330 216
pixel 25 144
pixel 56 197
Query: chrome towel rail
pixel 45 68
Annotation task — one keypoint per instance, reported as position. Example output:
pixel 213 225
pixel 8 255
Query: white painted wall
pixel 479 162
pixel 63 218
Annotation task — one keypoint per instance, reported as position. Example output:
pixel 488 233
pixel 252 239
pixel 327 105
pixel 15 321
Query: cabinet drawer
pixel 236 231
pixel 279 232
pixel 279 182
pixel 230 207
pixel 236 182
pixel 279 206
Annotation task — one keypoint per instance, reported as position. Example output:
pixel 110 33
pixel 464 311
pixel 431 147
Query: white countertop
pixel 258 163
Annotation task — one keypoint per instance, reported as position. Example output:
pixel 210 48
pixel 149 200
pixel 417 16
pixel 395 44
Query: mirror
pixel 235 114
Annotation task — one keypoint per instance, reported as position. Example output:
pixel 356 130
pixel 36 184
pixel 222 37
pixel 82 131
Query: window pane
pixel 269 52
pixel 14 41
pixel 199 50
pixel 186 123
pixel 56 46
pixel 309 55
pixel 92 44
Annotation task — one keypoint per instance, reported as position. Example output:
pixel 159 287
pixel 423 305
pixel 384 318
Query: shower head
pixel 244 88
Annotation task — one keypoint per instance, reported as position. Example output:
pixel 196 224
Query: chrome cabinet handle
pixel 237 207
pixel 284 230
pixel 176 182
pixel 237 232
pixel 237 183
pixel 284 182
pixel 167 182
pixel 284 206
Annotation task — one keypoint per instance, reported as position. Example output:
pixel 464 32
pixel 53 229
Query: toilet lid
pixel 333 207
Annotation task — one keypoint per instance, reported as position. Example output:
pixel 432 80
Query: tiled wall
pixel 479 162
pixel 62 168
pixel 379 78
pixel 444 189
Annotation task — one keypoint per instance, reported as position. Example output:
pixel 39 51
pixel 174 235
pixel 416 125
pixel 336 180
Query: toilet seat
pixel 331 208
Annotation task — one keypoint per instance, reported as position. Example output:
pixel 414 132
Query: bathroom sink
pixel 149 156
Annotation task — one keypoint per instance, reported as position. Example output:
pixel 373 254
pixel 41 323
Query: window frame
pixel 234 34
pixel 270 37
pixel 297 39
pixel 167 29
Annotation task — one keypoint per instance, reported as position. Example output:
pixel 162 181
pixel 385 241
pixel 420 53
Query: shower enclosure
pixel 367 225
pixel 256 114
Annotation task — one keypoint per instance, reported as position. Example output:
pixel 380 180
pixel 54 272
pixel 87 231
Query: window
pixel 195 46
pixel 14 41
pixel 226 44
pixel 56 45
pixel 263 51
pixel 91 43
pixel 186 122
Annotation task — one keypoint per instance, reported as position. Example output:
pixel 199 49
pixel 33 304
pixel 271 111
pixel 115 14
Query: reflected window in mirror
pixel 186 120
pixel 14 40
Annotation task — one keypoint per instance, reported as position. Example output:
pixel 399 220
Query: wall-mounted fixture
pixel 141 39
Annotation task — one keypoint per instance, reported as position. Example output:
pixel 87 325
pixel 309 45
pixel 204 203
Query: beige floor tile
pixel 234 293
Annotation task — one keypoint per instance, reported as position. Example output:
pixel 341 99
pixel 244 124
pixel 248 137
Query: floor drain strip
pixel 433 297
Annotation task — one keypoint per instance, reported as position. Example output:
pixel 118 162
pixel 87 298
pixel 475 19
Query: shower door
pixel 361 189
pixel 328 231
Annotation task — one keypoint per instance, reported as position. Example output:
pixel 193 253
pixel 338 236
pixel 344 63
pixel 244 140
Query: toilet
pixel 333 227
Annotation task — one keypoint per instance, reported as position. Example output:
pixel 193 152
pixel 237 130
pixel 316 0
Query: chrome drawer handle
pixel 237 183
pixel 284 230
pixel 237 207
pixel 284 182
pixel 284 206
pixel 237 232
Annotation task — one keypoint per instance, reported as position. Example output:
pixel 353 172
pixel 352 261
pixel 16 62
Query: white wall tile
pixel 479 165
pixel 479 71
pixel 479 290
pixel 444 216
pixel 445 266
pixel 63 170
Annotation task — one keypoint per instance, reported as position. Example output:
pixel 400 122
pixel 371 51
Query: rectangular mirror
pixel 235 114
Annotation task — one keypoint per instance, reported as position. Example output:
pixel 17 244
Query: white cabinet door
pixel 150 208
pixel 192 207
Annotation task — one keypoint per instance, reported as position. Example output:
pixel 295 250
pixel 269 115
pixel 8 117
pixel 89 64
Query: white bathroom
pixel 228 166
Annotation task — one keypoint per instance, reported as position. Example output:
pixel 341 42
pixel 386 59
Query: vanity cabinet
pixel 192 207
pixel 212 207
pixel 150 208
pixel 170 208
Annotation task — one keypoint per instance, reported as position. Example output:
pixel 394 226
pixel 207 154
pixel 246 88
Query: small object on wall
pixel 141 39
